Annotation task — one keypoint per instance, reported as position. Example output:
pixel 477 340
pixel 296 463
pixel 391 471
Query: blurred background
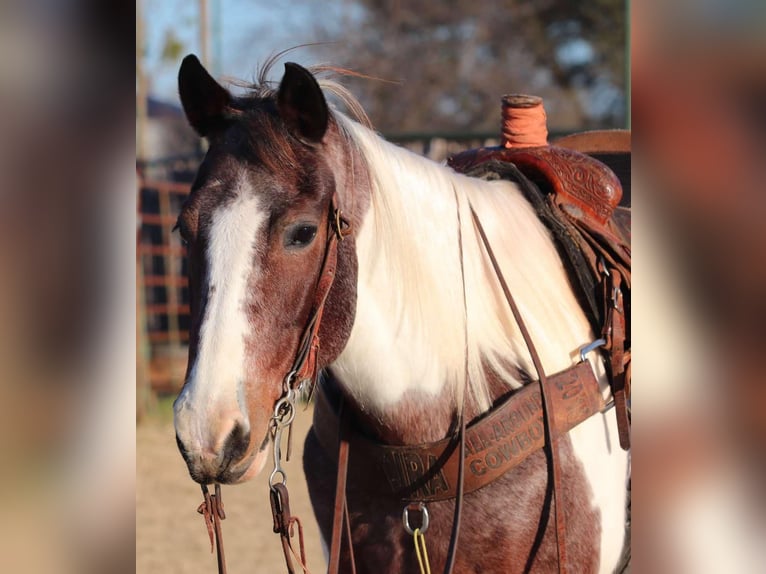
pixel 84 225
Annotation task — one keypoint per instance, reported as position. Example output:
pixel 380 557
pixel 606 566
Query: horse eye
pixel 300 235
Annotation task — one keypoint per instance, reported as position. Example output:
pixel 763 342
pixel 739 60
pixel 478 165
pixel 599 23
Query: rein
pixel 212 511
pixel 553 451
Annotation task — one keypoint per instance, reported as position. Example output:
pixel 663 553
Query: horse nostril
pixel 236 444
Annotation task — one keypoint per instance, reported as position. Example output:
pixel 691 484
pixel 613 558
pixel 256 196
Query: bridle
pixel 303 370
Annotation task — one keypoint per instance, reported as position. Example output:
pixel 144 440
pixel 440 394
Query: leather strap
pixel 458 514
pixel 549 414
pixel 305 364
pixel 497 443
pixel 212 511
pixel 284 525
pixel 449 564
pixel 340 511
pixel 614 333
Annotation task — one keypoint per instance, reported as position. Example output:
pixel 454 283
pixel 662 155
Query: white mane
pixel 409 269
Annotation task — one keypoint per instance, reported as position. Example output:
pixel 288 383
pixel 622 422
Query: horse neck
pixel 407 353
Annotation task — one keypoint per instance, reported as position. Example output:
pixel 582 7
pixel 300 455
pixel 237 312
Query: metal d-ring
pixel 424 521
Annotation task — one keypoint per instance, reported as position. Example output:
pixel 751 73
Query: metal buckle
pixel 340 225
pixel 591 347
pixel 615 299
pixel 609 406
pixel 604 268
pixel 337 224
pixel 424 520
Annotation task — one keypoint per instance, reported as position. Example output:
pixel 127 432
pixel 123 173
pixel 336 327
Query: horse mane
pixel 426 294
pixel 417 248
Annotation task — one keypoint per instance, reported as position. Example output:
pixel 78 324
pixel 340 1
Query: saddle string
pixel 547 406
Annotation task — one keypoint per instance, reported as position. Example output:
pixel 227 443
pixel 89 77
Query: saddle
pixel 578 198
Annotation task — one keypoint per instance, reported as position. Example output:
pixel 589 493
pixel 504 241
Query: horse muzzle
pixel 217 464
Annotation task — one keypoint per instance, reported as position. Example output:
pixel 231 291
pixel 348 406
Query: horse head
pixel 257 225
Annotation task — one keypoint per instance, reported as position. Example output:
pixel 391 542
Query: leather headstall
pixel 305 365
pixel 304 368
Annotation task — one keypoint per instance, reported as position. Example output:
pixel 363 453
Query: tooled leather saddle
pixel 578 199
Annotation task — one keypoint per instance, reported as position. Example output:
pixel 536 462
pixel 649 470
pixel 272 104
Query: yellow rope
pixel 420 540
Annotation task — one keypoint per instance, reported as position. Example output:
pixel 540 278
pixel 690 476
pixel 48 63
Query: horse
pixel 415 332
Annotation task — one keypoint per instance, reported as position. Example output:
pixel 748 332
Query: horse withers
pixel 411 331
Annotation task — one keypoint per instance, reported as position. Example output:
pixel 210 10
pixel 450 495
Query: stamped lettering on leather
pixel 406 468
pixel 495 444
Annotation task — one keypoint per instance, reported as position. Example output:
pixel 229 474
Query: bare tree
pixel 454 59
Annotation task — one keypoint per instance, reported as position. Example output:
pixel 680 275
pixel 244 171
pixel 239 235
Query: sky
pixel 253 31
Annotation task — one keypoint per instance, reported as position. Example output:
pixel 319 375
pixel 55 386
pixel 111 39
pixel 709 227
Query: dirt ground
pixel 171 536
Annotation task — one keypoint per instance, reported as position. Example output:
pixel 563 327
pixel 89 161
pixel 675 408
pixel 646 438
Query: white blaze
pixel 215 384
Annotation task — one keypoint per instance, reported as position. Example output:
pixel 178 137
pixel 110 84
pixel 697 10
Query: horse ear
pixel 204 100
pixel 302 105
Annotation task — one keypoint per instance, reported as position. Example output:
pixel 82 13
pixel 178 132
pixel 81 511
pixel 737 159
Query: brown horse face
pixel 256 225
